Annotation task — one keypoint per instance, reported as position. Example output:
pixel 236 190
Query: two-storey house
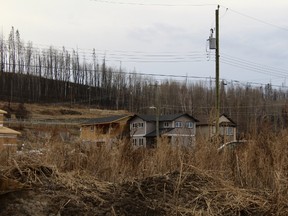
pixel 179 129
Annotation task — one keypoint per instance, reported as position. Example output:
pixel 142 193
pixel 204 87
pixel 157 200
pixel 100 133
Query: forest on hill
pixel 29 74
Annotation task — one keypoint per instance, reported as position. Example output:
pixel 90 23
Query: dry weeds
pixel 73 178
pixel 81 179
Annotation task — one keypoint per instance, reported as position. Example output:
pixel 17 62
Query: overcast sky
pixel 162 37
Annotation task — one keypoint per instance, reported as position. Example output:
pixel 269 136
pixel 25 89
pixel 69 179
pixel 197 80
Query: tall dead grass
pixel 261 164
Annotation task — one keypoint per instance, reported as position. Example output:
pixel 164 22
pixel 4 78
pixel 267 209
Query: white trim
pixel 8 136
pixel 138 135
pixel 185 135
pixel 7 144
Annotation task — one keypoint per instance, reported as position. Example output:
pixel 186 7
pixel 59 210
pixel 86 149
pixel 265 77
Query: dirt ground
pixel 28 188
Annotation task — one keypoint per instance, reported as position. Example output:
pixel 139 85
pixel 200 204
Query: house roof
pixel 162 118
pixel 175 116
pixel 161 131
pixel 106 120
pixel 210 120
pixel 3 112
pixel 145 117
pixel 5 130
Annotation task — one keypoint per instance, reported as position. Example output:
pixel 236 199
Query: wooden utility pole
pixel 217 71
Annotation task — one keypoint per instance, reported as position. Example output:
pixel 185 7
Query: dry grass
pixel 42 111
pixel 262 164
pixel 260 167
pixel 184 181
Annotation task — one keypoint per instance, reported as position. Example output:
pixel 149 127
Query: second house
pixel 179 129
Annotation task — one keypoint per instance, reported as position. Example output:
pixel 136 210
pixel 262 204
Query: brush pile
pixel 32 188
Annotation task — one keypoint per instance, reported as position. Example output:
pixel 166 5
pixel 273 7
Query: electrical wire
pixel 152 4
pixel 257 19
pixel 247 67
pixel 163 57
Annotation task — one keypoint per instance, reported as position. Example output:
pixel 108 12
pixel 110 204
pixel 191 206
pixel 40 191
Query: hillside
pixel 58 111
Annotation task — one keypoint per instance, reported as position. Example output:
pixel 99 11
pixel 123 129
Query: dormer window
pixel 178 124
pixel 166 124
pixel 189 125
pixel 138 125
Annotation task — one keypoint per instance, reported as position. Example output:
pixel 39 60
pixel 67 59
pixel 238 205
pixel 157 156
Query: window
pixel 166 124
pixel 213 130
pixel 141 142
pixel 92 128
pixel 134 142
pixel 138 125
pixel 189 125
pixel 229 131
pixel 178 124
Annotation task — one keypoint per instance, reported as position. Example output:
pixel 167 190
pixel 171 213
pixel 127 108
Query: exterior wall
pixel 138 129
pixel 8 142
pixel 204 131
pixel 183 135
pixel 208 131
pixel 179 140
pixel 184 129
pixel 102 133
pixel 92 133
pixel 228 136
pixel 139 141
pixel 1 120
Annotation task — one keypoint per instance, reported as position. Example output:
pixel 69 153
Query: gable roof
pixel 161 131
pixel 3 112
pixel 106 120
pixel 223 114
pixel 5 130
pixel 144 117
pixel 210 120
pixel 171 117
pixel 175 116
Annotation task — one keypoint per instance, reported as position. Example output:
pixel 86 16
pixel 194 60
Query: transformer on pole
pixel 214 45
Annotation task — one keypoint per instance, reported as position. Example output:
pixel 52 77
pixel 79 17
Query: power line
pixel 238 64
pixel 192 5
pixel 152 4
pixel 254 64
pixel 257 19
pixel 155 75
pixel 166 57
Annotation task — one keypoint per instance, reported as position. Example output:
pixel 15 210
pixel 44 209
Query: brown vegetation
pixel 80 179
